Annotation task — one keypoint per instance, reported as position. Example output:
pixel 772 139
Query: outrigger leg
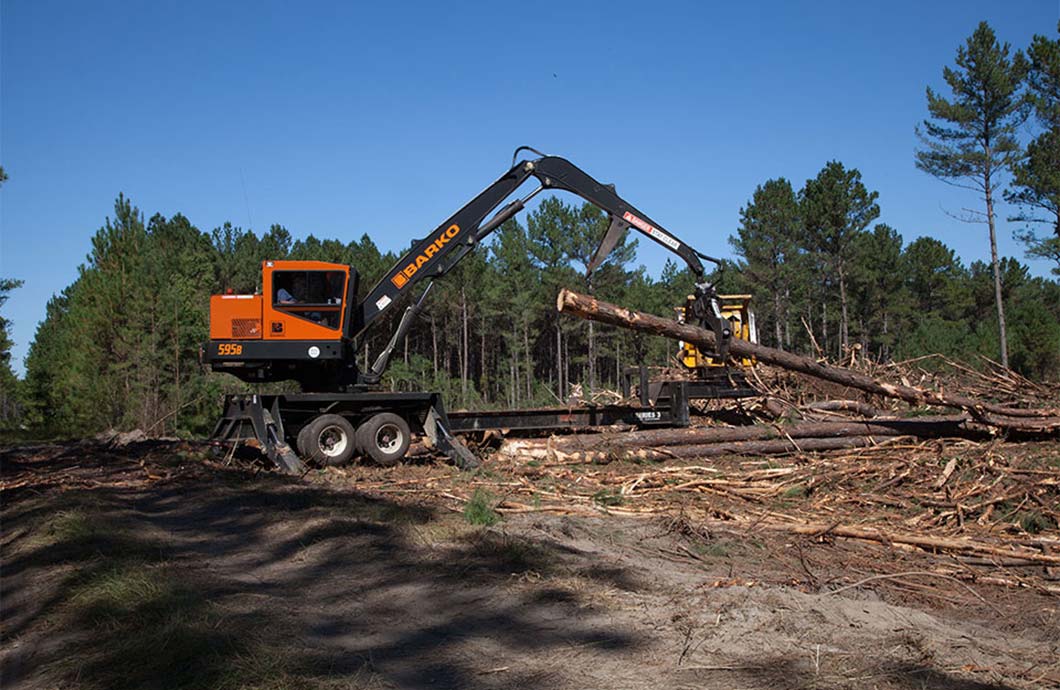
pixel 438 432
pixel 266 427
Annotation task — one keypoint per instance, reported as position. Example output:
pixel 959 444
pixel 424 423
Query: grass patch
pixel 150 626
pixel 479 510
pixel 506 554
pixel 129 619
pixel 1034 522
pixel 607 497
pixel 77 535
pixel 717 549
pixel 68 525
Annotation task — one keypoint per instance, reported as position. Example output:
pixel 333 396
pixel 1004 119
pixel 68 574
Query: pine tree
pixel 549 229
pixel 970 140
pixel 836 207
pixel 767 242
pixel 936 280
pixel 1036 183
pixel 10 399
pixel 881 297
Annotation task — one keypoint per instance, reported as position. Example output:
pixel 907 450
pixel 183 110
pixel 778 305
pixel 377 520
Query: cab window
pixel 312 295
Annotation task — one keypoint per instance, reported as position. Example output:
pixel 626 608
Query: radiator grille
pixel 246 328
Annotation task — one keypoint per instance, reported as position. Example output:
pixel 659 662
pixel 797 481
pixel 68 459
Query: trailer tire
pixel 301 443
pixel 329 440
pixel 385 438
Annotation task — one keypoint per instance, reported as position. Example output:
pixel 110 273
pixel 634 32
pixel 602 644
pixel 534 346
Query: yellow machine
pixel 736 309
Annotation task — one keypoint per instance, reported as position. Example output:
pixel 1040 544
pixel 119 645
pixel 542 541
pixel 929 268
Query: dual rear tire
pixel 330 439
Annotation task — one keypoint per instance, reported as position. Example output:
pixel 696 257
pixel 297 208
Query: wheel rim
pixel 389 438
pixel 333 441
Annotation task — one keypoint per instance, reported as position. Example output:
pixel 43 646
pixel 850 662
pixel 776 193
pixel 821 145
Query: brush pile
pixel 990 509
pixel 853 452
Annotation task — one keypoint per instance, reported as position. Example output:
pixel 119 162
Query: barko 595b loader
pixel 307 325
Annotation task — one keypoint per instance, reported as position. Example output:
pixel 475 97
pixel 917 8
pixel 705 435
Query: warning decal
pixel 652 230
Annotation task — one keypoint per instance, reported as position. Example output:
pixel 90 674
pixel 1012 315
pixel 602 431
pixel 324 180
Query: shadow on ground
pixel 270 584
pixel 225 579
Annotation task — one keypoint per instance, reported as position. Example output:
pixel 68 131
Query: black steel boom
pixel 437 253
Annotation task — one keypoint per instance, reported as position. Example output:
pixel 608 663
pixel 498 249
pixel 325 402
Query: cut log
pixel 1010 418
pixel 923 427
pixel 863 409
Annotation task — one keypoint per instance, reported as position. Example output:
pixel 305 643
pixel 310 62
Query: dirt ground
pixel 153 566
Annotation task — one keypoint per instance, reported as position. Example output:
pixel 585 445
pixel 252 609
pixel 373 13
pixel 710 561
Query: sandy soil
pixel 150 567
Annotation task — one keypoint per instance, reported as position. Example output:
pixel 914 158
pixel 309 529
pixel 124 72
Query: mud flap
pixel 245 418
pixel 436 427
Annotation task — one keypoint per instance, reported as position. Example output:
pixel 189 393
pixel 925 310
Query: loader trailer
pixel 332 428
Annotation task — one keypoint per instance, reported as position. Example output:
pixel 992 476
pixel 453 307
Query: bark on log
pixel 863 409
pixel 1038 421
pixel 933 427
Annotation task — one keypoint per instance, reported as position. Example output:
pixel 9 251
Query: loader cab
pixel 304 299
pixel 299 300
pixel 297 320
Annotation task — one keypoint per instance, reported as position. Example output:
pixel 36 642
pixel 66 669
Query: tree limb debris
pixel 998 416
pixel 930 543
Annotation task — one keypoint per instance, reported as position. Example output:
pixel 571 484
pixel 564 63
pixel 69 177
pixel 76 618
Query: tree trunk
pixel 844 321
pixel 566 364
pixel 1042 421
pixel 434 345
pixel 997 273
pixel 176 367
pixel 513 397
pixel 787 319
pixel 776 317
pixel 463 348
pixel 885 351
pixel 482 368
pixel 824 328
pixel 559 361
pixel 592 363
pixel 528 361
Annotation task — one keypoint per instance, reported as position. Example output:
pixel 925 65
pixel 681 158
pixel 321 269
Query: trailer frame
pixel 271 420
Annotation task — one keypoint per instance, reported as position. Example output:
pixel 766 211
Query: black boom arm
pixel 437 253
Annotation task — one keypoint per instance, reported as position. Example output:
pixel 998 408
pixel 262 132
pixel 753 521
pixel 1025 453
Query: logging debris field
pixel 836 532
pixel 905 564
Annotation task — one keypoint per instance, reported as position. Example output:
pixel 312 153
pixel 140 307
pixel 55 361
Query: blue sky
pixel 339 119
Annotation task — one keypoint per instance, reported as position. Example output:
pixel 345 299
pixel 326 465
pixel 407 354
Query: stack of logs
pixel 659 445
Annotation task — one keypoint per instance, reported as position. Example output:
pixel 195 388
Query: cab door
pixel 304 300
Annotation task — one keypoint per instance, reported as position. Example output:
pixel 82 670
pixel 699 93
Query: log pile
pixel 1042 420
pixel 665 444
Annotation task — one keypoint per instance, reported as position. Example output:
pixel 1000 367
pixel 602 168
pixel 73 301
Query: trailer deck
pixel 276 421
